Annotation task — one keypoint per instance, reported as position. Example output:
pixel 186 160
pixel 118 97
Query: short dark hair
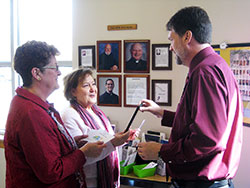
pixel 32 54
pixel 109 79
pixel 72 80
pixel 194 19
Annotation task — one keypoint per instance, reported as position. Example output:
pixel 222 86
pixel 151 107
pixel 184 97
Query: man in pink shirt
pixel 206 138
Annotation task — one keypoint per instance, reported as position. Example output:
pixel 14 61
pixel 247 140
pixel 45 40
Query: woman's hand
pixel 93 149
pixel 133 133
pixel 120 138
pixel 151 106
pixel 80 140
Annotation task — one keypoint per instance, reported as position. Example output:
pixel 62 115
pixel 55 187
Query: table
pixel 156 181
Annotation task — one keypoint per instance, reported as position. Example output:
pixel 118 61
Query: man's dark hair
pixel 109 79
pixel 194 19
pixel 32 54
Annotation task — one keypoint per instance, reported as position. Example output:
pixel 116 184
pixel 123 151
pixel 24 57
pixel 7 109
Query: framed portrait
pixel 86 56
pixel 109 90
pixel 162 92
pixel 109 56
pixel 161 57
pixel 136 56
pixel 136 88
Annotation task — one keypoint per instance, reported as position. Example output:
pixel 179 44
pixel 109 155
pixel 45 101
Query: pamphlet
pixel 98 135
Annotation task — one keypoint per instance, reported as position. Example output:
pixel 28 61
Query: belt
pixel 201 183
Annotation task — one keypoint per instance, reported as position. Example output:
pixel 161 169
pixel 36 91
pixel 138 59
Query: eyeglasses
pixel 56 67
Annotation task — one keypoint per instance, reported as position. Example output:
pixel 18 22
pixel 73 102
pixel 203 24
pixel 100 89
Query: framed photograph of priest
pixel 136 56
pixel 109 56
pixel 109 90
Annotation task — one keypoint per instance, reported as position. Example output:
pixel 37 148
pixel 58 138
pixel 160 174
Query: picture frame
pixel 86 56
pixel 136 56
pixel 136 88
pixel 161 57
pixel 109 56
pixel 162 92
pixel 104 83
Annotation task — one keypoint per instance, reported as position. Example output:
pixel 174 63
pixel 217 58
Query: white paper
pixel 98 135
pixel 150 165
pixel 86 57
pixel 136 90
pixel 161 92
pixel 161 57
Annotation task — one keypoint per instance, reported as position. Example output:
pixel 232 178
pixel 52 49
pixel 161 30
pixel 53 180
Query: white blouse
pixel 76 126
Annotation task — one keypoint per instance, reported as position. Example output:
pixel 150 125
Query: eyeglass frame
pixel 56 67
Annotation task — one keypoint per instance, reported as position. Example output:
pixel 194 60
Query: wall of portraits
pixel 134 68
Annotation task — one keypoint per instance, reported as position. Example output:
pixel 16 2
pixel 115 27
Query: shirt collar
pixel 110 93
pixel 30 96
pixel 199 57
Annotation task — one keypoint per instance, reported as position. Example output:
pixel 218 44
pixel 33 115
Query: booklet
pixel 98 135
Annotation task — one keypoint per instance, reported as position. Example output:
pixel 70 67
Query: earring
pixel 39 78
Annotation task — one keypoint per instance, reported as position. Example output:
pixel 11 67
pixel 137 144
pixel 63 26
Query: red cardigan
pixel 37 154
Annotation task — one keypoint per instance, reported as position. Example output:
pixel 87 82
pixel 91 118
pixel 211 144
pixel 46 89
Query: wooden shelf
pixel 152 181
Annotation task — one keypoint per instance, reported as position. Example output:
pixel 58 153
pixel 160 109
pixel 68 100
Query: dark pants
pixel 202 184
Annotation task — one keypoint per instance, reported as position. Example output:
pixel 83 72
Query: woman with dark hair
pixel 83 115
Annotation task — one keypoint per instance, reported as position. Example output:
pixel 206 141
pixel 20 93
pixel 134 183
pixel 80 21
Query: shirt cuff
pixel 168 118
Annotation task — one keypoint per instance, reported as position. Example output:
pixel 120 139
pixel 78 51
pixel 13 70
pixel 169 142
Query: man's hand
pixel 151 106
pixel 93 149
pixel 80 140
pixel 149 150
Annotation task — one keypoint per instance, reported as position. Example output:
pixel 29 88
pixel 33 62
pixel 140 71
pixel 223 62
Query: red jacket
pixel 37 154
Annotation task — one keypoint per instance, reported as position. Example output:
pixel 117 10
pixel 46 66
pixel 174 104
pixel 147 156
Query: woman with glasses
pixel 82 116
pixel 39 151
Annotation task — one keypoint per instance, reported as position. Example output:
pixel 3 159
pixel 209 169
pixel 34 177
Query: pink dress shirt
pixel 206 138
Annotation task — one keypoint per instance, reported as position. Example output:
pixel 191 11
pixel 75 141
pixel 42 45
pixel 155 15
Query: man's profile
pixel 107 60
pixel 136 62
pixel 108 97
